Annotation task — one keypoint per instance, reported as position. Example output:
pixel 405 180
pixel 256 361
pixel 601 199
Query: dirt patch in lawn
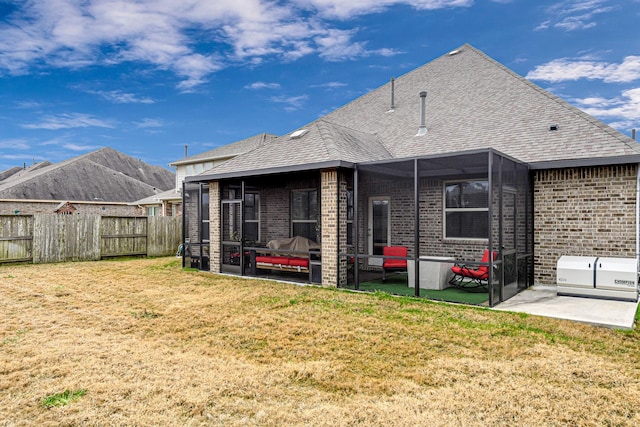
pixel 150 344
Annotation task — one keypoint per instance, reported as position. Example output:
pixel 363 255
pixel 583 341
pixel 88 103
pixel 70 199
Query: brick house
pixel 102 182
pixel 169 203
pixel 455 157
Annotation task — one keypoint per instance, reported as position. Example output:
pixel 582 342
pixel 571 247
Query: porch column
pixel 342 228
pixel 331 189
pixel 214 226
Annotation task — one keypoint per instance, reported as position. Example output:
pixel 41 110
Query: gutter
pixel 269 171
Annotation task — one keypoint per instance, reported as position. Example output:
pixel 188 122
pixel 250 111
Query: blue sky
pixel 148 77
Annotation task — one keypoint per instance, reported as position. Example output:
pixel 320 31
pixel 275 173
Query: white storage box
pixel 434 274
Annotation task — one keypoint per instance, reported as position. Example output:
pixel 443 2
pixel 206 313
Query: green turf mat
pixel 397 284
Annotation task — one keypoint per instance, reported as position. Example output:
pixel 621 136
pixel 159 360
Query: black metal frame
pixel 499 170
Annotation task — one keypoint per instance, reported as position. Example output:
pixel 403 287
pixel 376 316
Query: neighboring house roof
pixel 155 199
pixel 472 103
pixel 229 150
pixel 218 154
pixel 105 175
pixel 9 172
pixel 16 172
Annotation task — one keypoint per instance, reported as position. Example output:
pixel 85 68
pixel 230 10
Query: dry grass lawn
pixel 152 344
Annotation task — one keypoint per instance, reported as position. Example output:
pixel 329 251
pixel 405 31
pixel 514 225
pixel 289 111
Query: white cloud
pixel 572 15
pixel 170 35
pixel 76 147
pixel 68 121
pixel 343 9
pixel 15 144
pixel 624 110
pixel 292 102
pixel 147 123
pixel 564 69
pixel 28 105
pixel 12 156
pixel 263 85
pixel 119 97
pixel 330 85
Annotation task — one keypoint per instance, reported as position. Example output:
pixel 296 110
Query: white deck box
pixel 435 272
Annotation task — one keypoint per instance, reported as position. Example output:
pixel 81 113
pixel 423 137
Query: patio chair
pixel 472 277
pixel 394 264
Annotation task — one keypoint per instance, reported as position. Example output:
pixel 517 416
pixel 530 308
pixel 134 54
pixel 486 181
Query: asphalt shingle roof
pixel 322 142
pixel 473 102
pixel 229 150
pixel 105 175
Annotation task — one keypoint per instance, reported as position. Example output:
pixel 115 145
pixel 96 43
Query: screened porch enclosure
pixel 445 210
pixel 195 226
pixel 335 226
pixel 259 215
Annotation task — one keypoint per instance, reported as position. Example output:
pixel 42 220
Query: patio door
pixel 378 227
pixel 231 233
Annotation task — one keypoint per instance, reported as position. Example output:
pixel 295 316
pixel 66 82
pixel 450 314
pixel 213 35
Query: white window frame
pixel 446 210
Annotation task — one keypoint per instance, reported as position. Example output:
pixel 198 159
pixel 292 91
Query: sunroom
pixel 333 224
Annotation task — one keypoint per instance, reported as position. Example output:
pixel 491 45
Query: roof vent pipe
pixel 393 94
pixel 186 151
pixel 422 130
pixel 633 134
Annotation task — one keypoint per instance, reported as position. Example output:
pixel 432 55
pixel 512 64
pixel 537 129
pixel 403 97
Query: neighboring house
pixel 459 155
pixel 169 203
pixel 101 182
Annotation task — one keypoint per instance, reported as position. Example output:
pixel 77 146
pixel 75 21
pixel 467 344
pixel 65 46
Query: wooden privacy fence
pixel 44 238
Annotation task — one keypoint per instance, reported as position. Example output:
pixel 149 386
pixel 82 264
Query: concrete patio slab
pixel 544 301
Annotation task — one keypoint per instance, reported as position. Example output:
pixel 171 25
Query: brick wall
pixel 343 186
pixel 584 212
pixel 214 226
pixel 432 240
pixel 329 188
pixel 274 213
pixel 275 202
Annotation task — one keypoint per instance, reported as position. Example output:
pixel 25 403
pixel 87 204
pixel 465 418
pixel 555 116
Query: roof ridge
pixel 358 131
pixel 54 166
pixel 263 136
pixel 328 139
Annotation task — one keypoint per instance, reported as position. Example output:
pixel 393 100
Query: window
pixel 153 210
pixel 466 213
pixel 252 217
pixel 304 213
